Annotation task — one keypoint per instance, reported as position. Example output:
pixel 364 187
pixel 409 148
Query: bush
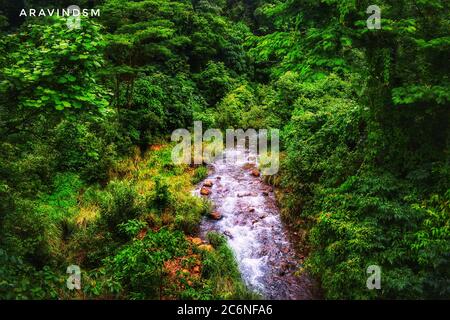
pixel 120 204
pixel 159 104
pixel 139 265
pixel 188 213
pixel 161 196
pixel 84 151
pixel 200 174
pixel 29 234
pixel 21 281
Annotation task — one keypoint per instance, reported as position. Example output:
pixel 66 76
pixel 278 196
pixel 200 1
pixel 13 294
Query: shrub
pixel 200 174
pixel 82 150
pixel 121 204
pixel 29 234
pixel 188 213
pixel 20 280
pixel 139 265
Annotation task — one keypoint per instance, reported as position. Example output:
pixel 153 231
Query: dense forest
pixel 86 114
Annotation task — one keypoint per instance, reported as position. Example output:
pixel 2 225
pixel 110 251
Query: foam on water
pixel 251 221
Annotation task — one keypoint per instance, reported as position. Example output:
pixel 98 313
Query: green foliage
pixel 22 281
pixel 61 203
pixel 158 103
pixel 306 37
pixel 188 214
pixel 132 227
pixel 432 245
pixel 200 174
pixel 29 234
pixel 233 105
pixel 362 214
pixel 138 266
pixel 363 114
pixel 214 82
pixel 84 148
pixel 161 196
pixel 120 204
pixel 51 66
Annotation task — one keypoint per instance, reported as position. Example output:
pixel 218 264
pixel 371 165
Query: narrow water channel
pixel 251 221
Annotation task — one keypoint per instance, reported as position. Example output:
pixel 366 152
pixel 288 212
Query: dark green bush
pixel 83 150
pixel 29 234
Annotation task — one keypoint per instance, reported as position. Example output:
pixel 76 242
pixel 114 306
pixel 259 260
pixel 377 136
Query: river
pixel 262 244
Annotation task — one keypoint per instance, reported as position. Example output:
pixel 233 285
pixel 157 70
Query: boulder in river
pixel 205 191
pixel 246 194
pixel 255 173
pixel 228 234
pixel 208 183
pixel 284 268
pixel 215 215
pixel 248 166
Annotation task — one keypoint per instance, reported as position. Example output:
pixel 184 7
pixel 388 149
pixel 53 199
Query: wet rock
pixel 284 268
pixel 208 183
pixel 228 234
pixel 248 166
pixel 265 193
pixel 205 191
pixel 256 173
pixel 218 178
pixel 215 215
pixel 251 210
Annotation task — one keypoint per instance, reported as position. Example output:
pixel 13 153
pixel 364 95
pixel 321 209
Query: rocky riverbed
pixel 245 211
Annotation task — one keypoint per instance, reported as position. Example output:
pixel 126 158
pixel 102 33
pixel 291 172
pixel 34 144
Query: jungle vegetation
pixel 86 115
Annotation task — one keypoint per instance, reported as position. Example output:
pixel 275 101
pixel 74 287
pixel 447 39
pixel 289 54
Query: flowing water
pixel 262 244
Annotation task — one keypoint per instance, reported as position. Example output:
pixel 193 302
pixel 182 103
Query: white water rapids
pixel 251 222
